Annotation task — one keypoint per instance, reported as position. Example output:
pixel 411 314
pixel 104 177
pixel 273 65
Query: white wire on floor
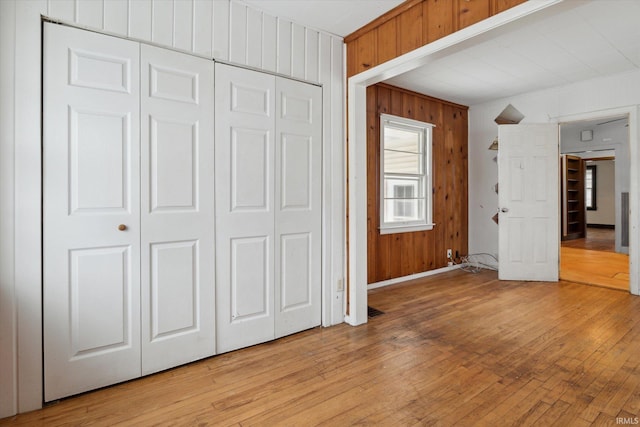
pixel 475 263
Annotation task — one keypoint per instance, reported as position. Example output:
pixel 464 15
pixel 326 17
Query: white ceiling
pixel 573 41
pixel 583 40
pixel 340 17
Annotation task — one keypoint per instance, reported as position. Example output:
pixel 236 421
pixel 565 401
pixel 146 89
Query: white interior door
pixel 528 177
pixel 298 195
pixel 177 193
pixel 91 217
pixel 245 108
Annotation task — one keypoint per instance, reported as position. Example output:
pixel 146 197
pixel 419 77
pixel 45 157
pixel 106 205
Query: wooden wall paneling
pixel 284 47
pixel 298 57
pixel 439 19
pixel 367 50
pixel 410 31
pixel 140 13
pixel 373 173
pixel 162 28
pixel 312 52
pixel 203 27
pixel 383 255
pixel 116 16
pixel 472 11
pixel 502 5
pixel 183 30
pixel 221 29
pixel 387 35
pixel 352 58
pixel 439 189
pixel 450 196
pixel 269 42
pixel 238 37
pixel 423 241
pixel 90 13
pixel 62 9
pixel 254 38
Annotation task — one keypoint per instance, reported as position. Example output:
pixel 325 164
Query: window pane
pixel 402 162
pixel 402 188
pixel 402 139
pixel 402 210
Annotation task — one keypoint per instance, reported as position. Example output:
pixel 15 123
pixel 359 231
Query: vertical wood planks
pixel 410 30
pixel 439 19
pixel 472 11
pixel 116 16
pixel 90 13
pixel 238 37
pixel 203 27
pixel 140 14
pixel 62 9
pixel 254 38
pixel 269 42
pixel 298 62
pixel 284 47
pixel 403 254
pixel 183 25
pixel 221 29
pixel 162 30
pixel 412 25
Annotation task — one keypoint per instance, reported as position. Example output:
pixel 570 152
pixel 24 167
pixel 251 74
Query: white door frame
pixel 357 137
pixel 634 185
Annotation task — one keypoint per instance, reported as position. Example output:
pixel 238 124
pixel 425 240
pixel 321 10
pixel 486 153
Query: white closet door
pixel 177 258
pixel 245 107
pixel 91 214
pixel 298 194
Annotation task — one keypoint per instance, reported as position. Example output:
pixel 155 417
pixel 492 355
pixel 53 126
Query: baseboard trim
pixel 607 226
pixel 411 277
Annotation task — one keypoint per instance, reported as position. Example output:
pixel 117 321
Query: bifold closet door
pixel 268 206
pixel 177 193
pixel 91 214
pixel 128 210
pixel 298 217
pixel 245 159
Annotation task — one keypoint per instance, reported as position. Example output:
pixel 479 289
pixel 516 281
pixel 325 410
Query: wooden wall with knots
pixel 413 24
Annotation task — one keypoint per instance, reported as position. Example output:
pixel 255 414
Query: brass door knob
pixel 122 227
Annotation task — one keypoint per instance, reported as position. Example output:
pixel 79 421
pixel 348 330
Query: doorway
pixel 598 253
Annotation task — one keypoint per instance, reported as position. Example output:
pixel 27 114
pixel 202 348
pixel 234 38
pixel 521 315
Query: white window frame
pixel 426 179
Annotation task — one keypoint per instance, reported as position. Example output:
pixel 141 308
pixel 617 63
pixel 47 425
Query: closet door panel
pixel 245 107
pixel 91 217
pixel 177 199
pixel 298 193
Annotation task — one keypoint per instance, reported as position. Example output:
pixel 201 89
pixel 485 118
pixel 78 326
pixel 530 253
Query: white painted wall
pixel 605 212
pixel 601 96
pixel 226 30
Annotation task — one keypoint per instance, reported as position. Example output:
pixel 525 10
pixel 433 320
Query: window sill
pixel 406 228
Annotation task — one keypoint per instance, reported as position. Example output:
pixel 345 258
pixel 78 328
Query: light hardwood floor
pixel 593 261
pixel 453 349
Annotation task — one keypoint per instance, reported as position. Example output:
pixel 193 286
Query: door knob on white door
pixel 122 227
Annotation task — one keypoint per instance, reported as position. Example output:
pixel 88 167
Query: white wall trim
pixel 634 192
pixel 8 312
pixel 402 279
pixel 356 111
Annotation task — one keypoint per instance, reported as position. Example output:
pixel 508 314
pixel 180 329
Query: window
pixel 590 188
pixel 405 175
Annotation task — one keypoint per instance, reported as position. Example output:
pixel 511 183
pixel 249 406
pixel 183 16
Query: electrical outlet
pixel 449 253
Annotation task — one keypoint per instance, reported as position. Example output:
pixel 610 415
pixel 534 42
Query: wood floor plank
pixel 452 349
